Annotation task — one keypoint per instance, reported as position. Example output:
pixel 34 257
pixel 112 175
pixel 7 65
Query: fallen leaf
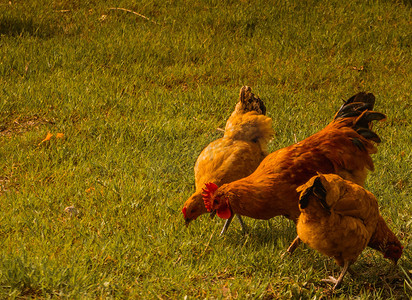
pixel 59 135
pixel 89 189
pixel 47 138
pixel 361 68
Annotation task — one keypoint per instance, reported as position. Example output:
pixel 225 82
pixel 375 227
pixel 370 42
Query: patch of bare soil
pixel 22 124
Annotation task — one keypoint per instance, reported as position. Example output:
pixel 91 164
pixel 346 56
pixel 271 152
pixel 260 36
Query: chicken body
pixel 344 147
pixel 338 218
pixel 271 189
pixel 236 155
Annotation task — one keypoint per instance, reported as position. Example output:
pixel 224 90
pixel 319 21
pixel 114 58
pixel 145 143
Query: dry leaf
pixel 47 138
pixel 89 189
pixel 59 135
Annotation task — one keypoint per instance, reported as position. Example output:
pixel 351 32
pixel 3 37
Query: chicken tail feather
pixel 355 105
pixel 318 190
pixel 367 117
pixel 359 144
pixel 369 134
pixel 367 98
pixel 250 102
pixel 304 198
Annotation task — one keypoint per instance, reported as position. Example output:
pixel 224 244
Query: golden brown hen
pixel 236 155
pixel 343 147
pixel 338 218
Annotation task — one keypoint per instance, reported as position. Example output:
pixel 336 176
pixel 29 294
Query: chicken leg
pixel 228 221
pixel 338 281
pixel 296 242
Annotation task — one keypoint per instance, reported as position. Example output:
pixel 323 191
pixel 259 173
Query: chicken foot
pixel 228 221
pixel 338 281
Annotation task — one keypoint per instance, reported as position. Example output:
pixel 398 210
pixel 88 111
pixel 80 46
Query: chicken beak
pixel 212 214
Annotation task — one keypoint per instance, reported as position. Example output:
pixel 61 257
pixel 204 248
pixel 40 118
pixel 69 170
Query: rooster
pixel 344 147
pixel 236 155
pixel 338 218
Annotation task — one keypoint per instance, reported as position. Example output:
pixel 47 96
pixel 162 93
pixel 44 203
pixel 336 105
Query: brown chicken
pixel 338 218
pixel 236 155
pixel 343 147
pixel 382 240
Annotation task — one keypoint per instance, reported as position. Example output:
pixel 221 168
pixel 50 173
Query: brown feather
pixel 385 241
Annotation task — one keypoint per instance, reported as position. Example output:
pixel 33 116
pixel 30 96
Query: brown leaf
pixel 59 135
pixel 47 138
pixel 89 189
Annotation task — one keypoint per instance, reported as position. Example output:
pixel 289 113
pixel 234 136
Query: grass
pixel 137 101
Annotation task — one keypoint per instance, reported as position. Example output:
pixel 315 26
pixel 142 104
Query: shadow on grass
pixel 261 232
pixel 381 276
pixel 13 26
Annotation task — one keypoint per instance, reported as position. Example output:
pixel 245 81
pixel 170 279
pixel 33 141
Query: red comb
pixel 184 211
pixel 207 194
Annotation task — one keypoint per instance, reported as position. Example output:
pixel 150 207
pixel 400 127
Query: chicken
pixel 236 155
pixel 344 147
pixel 330 202
pixel 337 218
pixel 382 240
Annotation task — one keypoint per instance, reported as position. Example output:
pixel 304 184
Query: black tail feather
pixel 362 97
pixel 318 190
pixel 367 117
pixel 354 109
pixel 361 105
pixel 355 105
pixel 359 144
pixel 304 199
pixel 368 134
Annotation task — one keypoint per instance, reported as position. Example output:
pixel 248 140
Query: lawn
pixel 105 106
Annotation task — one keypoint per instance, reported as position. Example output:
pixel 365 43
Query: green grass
pixel 137 101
